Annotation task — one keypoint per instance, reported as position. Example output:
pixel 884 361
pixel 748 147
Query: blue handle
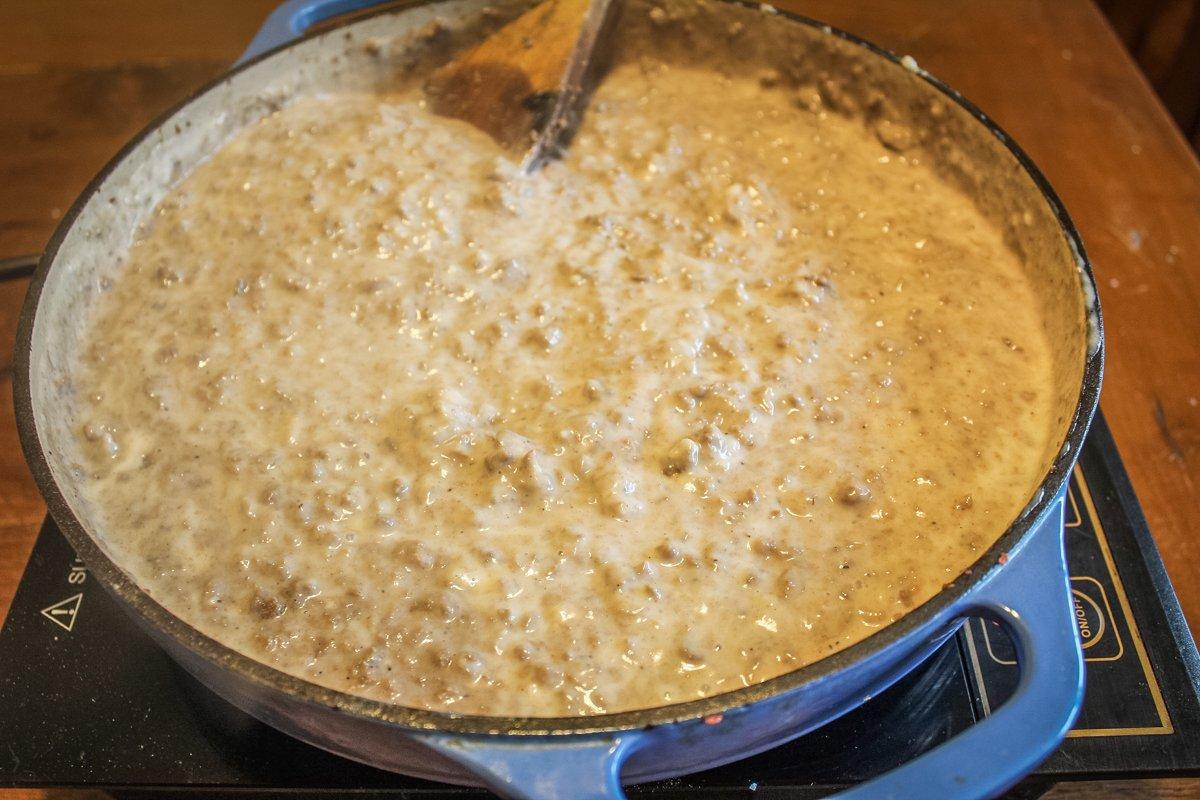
pixel 1030 597
pixel 293 18
pixel 540 768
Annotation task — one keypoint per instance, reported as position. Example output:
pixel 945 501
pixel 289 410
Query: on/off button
pixel 1098 630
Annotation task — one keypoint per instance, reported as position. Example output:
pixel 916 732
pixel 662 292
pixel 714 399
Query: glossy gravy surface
pixel 734 385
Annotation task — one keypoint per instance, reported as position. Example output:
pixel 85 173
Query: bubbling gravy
pixel 735 384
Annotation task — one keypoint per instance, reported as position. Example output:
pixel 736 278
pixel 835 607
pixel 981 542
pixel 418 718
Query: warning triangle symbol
pixel 63 612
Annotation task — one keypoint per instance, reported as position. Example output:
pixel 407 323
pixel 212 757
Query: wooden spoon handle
pixel 538 67
pixel 587 61
pixel 488 85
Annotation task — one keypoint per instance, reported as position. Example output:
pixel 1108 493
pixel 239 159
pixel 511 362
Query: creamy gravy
pixel 733 386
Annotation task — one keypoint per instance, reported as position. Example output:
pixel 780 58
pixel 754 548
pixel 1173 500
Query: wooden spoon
pixel 534 73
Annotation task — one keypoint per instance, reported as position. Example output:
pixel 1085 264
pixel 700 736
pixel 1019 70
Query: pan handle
pixel 18 267
pixel 543 768
pixel 291 19
pixel 1031 598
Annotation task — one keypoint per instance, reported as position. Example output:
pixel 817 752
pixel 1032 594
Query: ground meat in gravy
pixel 734 385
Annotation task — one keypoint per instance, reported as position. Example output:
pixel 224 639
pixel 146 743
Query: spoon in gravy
pixel 533 74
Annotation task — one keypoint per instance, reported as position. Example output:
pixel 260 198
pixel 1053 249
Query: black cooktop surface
pixel 86 699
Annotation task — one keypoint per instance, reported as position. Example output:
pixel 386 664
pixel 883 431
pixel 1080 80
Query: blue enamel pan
pixel 1020 582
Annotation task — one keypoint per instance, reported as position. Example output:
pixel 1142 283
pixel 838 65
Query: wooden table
pixel 79 77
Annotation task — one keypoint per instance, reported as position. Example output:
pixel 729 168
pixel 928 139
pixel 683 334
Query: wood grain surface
pixel 80 77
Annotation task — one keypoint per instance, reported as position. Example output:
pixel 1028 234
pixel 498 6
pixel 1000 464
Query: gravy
pixel 731 387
